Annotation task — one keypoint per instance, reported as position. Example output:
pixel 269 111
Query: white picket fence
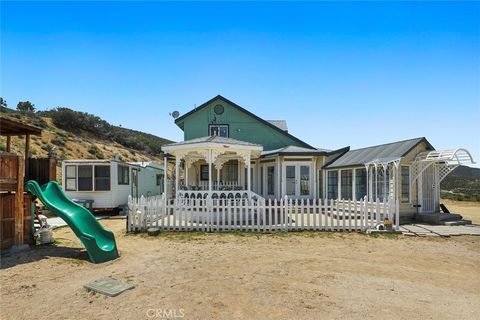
pixel 255 215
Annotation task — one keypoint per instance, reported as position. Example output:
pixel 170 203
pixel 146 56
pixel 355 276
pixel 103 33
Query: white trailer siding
pixel 119 190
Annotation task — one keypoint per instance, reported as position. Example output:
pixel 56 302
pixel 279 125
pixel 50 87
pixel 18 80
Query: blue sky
pixel 340 73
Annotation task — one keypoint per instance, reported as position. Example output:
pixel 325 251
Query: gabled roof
pixel 213 139
pixel 179 120
pixel 392 150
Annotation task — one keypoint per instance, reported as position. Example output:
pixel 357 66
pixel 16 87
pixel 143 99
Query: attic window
pixel 218 130
pixel 218 109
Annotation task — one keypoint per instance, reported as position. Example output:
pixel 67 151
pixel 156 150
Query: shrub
pixel 58 141
pixel 94 151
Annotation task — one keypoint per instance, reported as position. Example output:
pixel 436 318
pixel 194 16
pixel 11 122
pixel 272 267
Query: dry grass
pixel 469 210
pixel 303 275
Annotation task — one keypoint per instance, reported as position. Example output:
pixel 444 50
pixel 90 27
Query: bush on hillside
pixel 79 122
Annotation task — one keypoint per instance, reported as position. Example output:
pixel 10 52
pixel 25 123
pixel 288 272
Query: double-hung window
pixel 85 178
pixel 270 180
pixel 332 184
pixel 220 130
pixel 71 178
pixel 123 175
pixel 360 183
pixel 102 178
pixel 405 184
pixel 346 184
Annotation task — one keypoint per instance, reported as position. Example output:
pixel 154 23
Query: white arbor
pixel 430 168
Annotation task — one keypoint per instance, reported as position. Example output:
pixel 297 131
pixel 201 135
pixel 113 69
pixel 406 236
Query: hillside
pixel 462 184
pixel 78 135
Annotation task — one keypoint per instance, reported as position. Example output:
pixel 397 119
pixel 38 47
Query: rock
pixel 153 231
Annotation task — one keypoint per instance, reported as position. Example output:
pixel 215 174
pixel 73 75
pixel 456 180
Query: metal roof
pixel 281 124
pixel 392 150
pixel 295 151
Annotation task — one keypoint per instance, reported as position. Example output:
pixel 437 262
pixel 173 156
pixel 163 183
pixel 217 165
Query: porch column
pixel 249 178
pixel 369 186
pixel 397 195
pixel 209 171
pixel 315 183
pixel 8 143
pixel 27 156
pixel 385 183
pixel 165 176
pixel 354 184
pixel 186 171
pixel 218 178
pixel 339 185
pixel 177 173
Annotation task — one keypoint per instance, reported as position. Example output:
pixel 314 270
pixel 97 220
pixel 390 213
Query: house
pixel 229 152
pixel 109 182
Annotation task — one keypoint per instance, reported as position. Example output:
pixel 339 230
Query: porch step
pixel 437 218
pixel 457 223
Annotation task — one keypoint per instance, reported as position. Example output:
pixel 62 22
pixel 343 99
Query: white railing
pixel 216 185
pixel 231 194
pixel 207 214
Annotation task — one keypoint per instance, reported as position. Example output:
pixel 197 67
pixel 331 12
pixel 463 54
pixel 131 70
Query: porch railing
pixel 216 185
pixel 224 214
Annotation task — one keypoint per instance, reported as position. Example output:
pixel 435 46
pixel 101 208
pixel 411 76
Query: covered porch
pixel 212 166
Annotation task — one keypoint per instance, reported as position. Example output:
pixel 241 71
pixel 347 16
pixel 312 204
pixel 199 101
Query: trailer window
pixel 102 178
pixel 85 178
pixel 71 178
pixel 123 175
pixel 159 179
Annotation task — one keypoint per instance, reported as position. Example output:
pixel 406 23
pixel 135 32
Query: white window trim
pixel 93 178
pixel 219 126
pixel 76 177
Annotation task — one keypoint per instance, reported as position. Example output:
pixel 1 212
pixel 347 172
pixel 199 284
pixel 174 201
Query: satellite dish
pixel 175 114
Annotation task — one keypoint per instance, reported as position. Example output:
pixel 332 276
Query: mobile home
pixel 109 182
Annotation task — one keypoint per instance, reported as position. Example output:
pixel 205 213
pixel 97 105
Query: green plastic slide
pixel 100 243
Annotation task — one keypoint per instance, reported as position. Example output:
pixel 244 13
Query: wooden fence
pixel 255 215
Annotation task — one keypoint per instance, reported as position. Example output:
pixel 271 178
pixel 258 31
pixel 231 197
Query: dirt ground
pixel 249 276
pixel 469 210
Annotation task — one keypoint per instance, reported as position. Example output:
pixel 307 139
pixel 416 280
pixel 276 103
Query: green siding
pixel 241 126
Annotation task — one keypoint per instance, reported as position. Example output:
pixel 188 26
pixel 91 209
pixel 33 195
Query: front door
pixel 134 183
pixel 429 195
pixel 297 178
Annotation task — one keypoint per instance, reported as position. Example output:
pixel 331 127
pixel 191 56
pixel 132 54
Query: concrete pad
pixel 108 286
pixel 440 230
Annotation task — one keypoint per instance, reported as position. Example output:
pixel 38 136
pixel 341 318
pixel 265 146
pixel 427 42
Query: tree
pixel 26 106
pixel 3 103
